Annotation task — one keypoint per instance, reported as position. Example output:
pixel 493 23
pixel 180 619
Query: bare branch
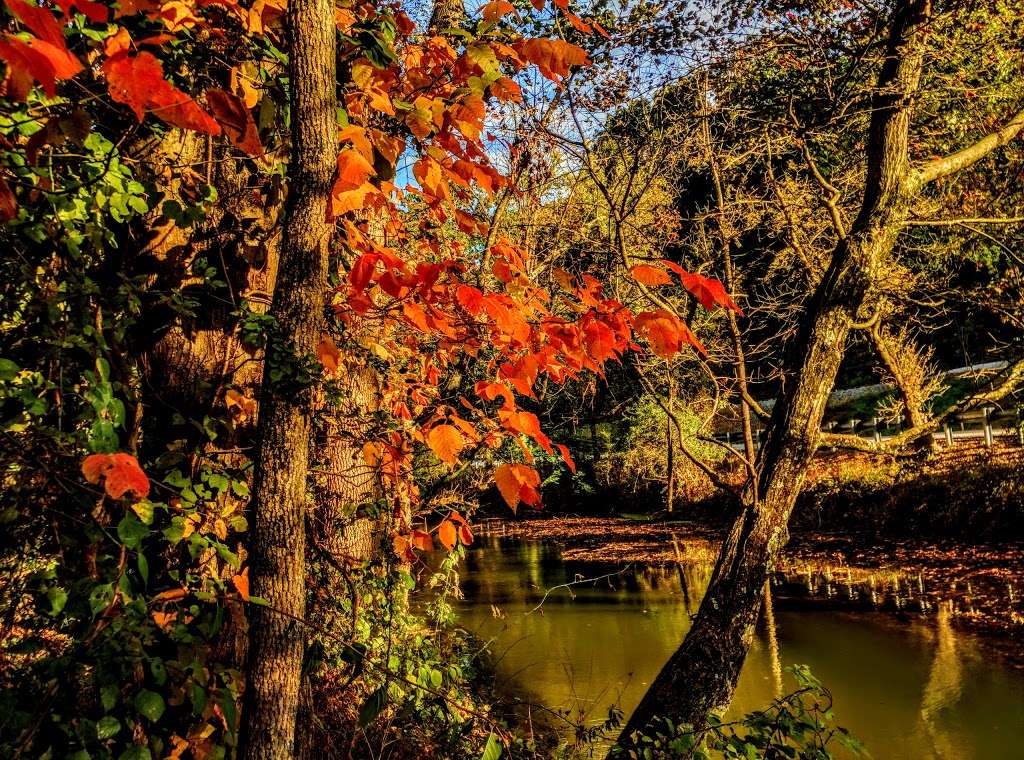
pixel 943 167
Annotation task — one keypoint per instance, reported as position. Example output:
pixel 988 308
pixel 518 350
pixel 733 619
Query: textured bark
pixel 277 559
pixel 700 677
pixel 447 14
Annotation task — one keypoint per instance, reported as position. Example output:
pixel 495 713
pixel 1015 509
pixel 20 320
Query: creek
pixel 909 686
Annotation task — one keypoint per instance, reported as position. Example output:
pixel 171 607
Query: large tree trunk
pixel 278 545
pixel 700 677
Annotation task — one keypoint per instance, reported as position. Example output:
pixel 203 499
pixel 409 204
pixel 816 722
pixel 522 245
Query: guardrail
pixel 986 423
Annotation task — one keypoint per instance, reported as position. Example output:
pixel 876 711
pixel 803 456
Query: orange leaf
pixel 552 57
pixel 241 583
pixel 121 474
pixel 235 119
pixel 447 534
pixel 416 316
pixel 239 405
pixel 329 355
pixel 466 535
pixel 516 483
pixel 649 275
pixel 422 541
pixel 172 595
pixel 446 442
pixel 494 10
pixel 353 170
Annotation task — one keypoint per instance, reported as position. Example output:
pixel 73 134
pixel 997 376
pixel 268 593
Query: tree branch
pixel 943 167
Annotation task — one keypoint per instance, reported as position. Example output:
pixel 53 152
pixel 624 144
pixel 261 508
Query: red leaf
pixel 564 450
pixel 666 333
pixel 138 82
pixel 95 12
pixel 36 61
pixel 362 271
pixel 8 203
pixel 466 535
pixel 470 298
pixel 236 121
pixel 40 21
pixel 650 275
pixel 708 291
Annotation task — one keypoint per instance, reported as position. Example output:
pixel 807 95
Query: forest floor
pixel 981 584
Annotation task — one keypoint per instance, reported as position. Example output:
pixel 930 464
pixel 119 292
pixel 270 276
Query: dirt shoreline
pixel 982 585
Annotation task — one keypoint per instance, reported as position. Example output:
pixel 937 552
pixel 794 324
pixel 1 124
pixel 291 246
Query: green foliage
pixel 799 725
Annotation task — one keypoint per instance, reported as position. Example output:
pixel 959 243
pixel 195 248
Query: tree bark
pixel 700 677
pixel 277 557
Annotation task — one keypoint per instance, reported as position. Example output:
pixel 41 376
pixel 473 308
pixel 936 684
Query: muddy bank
pixel 981 585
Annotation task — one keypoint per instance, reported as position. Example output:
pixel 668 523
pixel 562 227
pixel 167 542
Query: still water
pixel 910 690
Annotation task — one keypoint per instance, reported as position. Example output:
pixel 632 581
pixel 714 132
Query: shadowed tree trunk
pixel 278 545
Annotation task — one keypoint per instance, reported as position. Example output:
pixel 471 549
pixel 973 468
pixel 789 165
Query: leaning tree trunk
pixel 700 677
pixel 278 563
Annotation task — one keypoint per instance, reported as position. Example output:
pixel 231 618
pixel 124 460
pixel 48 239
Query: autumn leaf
pixel 666 333
pixel 446 441
pixel 138 82
pixel 517 483
pixel 329 355
pixel 35 61
pixel 241 584
pixel 470 298
pixel 236 121
pixel 564 451
pixel 8 203
pixel 447 534
pixel 493 11
pixel 422 541
pixel 120 472
pixel 650 275
pixel 552 57
pixel 710 292
pixel 240 406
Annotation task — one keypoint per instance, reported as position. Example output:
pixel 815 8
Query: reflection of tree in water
pixel 943 690
pixel 773 640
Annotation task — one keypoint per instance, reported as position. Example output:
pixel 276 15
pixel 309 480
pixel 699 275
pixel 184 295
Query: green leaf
pixel 107 726
pixel 131 531
pixel 136 753
pixel 149 704
pixel 492 750
pixel 373 706
pixel 58 598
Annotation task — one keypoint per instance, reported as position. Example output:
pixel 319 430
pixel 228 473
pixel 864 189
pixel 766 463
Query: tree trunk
pixel 278 563
pixel 700 677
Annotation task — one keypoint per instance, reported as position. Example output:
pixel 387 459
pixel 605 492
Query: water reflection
pixel 907 689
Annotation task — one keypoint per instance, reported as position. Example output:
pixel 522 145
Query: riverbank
pixel 978 584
